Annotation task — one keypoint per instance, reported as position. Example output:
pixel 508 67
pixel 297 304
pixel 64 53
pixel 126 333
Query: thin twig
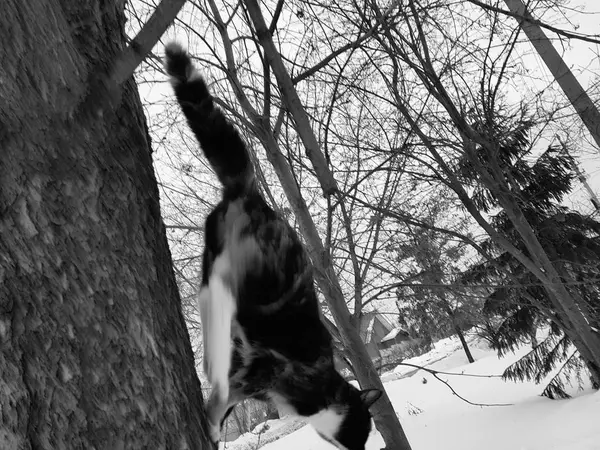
pixel 436 374
pixel 184 227
pixel 539 23
pixel 433 371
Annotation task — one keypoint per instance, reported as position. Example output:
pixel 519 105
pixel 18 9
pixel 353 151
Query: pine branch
pixel 556 354
pixel 540 361
pixel 556 387
pixel 525 369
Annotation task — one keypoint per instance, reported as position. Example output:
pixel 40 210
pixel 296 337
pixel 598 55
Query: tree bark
pixel 94 349
pixel 463 341
pixel 385 418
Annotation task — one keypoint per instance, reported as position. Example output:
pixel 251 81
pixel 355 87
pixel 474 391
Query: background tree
pixel 434 305
pixel 94 349
pixel 520 302
pixel 282 145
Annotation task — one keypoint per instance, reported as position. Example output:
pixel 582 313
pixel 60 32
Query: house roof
pixel 394 333
pixel 391 335
pixel 368 321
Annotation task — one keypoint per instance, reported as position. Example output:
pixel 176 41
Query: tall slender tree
pixel 433 302
pixel 263 89
pixel 578 97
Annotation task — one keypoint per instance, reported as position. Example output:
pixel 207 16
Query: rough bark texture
pixel 94 352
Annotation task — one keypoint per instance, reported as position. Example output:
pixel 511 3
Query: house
pixel 378 332
pixel 380 336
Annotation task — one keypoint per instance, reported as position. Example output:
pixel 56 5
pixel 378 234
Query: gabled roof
pixel 367 321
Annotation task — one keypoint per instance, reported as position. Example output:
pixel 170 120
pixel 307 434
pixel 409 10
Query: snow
pixel 434 418
pixel 266 432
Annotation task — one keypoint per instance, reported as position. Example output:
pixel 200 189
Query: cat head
pixel 348 426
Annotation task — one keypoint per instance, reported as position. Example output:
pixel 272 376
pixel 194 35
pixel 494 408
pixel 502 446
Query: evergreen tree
pixel 433 307
pixel 520 305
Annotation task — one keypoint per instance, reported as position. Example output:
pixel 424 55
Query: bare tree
pixel 408 43
pixel 581 101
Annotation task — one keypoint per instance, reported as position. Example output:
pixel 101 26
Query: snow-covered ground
pixel 435 419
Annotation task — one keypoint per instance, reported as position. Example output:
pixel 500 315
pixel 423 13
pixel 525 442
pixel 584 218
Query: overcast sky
pixel 582 57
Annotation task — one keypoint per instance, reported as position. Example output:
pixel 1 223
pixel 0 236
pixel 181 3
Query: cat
pixel 262 330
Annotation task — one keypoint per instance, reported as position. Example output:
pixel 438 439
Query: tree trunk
pixel 385 418
pixel 494 178
pixel 455 324
pixel 272 412
pixel 241 425
pixel 585 354
pixel 94 352
pixel 533 339
pixel 463 341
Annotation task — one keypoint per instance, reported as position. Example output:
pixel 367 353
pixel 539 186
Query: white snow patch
pixel 269 431
pixel 443 421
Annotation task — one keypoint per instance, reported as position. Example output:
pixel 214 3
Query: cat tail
pixel 223 146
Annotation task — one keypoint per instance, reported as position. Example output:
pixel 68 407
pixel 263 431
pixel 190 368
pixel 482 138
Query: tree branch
pixel 184 227
pixel 104 90
pixel 436 374
pixel 539 23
